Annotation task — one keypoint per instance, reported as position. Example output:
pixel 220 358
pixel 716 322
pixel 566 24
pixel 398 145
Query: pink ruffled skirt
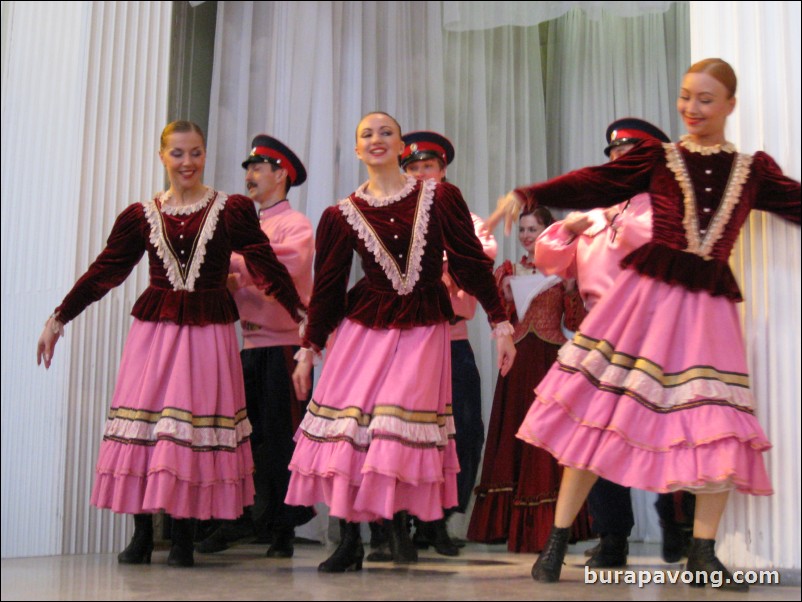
pixel 378 435
pixel 653 393
pixel 176 437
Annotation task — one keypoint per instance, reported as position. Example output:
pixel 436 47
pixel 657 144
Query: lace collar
pixel 387 200
pixel 185 209
pixel 727 147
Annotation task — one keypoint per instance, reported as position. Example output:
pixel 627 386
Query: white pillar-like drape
pixel 84 97
pixel 761 40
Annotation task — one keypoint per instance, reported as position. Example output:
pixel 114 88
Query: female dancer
pixel 654 392
pixel 176 437
pixel 515 499
pixel 377 439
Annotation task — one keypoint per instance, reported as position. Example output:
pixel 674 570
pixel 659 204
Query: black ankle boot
pixel 549 564
pixel 676 541
pixel 612 553
pixel 349 554
pixel 438 535
pixel 401 546
pixel 702 561
pixel 182 550
pixel 282 543
pixel 379 543
pixel 140 547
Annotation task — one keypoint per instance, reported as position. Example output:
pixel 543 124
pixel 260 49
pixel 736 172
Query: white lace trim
pixel 403 282
pixel 731 197
pixel 387 200
pixel 304 352
pixel 694 147
pixel 183 279
pixel 165 196
pixel 503 329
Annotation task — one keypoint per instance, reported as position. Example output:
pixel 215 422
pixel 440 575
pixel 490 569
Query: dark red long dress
pixel 516 497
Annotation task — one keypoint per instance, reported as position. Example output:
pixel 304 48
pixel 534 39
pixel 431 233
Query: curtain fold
pixel 601 70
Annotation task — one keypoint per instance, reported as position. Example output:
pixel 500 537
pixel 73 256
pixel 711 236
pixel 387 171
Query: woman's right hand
pixel 302 375
pixel 47 341
pixel 507 208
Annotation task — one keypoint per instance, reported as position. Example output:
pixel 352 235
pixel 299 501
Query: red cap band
pixel 274 154
pixel 424 146
pixel 618 134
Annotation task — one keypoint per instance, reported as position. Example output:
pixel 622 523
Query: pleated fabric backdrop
pixel 84 98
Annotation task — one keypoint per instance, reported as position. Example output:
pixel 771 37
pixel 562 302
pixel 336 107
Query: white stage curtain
pixel 762 42
pixel 599 70
pixel 84 97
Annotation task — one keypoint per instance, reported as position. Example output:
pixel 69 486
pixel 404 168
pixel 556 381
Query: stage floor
pixel 244 573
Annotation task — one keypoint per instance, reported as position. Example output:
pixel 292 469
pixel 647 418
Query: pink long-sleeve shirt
pixel 265 323
pixel 594 257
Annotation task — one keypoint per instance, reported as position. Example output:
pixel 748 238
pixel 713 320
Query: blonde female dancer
pixel 176 437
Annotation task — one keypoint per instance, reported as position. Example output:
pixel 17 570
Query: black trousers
pixel 467 408
pixel 274 413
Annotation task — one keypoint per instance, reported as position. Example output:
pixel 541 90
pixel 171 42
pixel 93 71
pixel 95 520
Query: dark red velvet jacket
pixel 646 169
pixel 373 301
pixel 229 225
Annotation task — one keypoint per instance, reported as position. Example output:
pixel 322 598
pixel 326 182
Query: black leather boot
pixel 676 541
pixel 549 564
pixel 612 553
pixel 437 534
pixel 282 543
pixel 349 554
pixel 702 561
pixel 379 543
pixel 140 547
pixel 182 550
pixel 401 546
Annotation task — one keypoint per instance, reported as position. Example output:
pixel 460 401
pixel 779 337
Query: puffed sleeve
pixel 247 239
pixel 555 251
pixel 467 262
pixel 333 254
pixel 600 185
pixel 124 248
pixel 778 193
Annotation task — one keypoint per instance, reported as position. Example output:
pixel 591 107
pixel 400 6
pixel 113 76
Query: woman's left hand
pixel 507 208
pixel 302 376
pixel 506 353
